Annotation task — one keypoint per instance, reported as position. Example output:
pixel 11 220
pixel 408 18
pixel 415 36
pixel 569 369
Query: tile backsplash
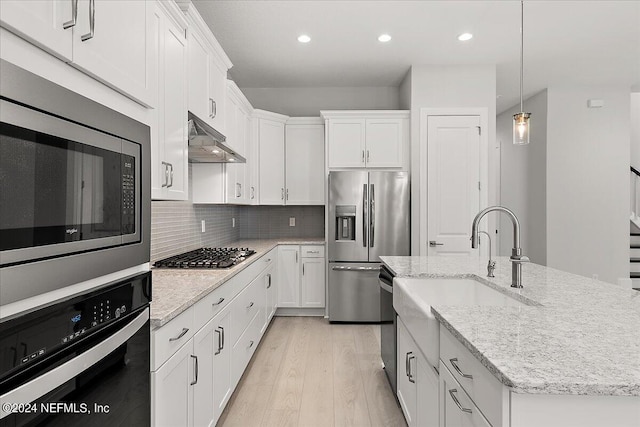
pixel 176 227
pixel 264 222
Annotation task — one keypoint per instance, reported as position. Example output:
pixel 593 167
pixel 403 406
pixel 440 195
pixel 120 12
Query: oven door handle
pixel 54 378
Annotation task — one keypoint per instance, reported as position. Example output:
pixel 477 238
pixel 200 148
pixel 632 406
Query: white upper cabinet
pixel 270 139
pixel 208 66
pixel 113 41
pixel 169 151
pixel 346 143
pixel 43 23
pixel 238 122
pixel 304 165
pixel 367 139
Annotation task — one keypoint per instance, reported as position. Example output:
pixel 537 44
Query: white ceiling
pixel 582 42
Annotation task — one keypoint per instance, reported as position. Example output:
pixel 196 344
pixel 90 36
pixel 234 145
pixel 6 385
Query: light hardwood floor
pixel 308 372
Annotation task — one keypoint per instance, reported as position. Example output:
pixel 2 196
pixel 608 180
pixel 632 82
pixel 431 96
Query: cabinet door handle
pixel 454 363
pixel 367 156
pixel 250 305
pixel 250 343
pixel 214 109
pixel 303 269
pixel 184 331
pixel 240 184
pixel 166 175
pixel 296 257
pixel 362 156
pixel 195 380
pixel 170 175
pixel 457 402
pixel 92 22
pixel 74 15
pixel 253 193
pixel 222 329
pixel 287 196
pixel 411 357
pixel 220 301
pixel 269 282
pixel 219 342
pixel 282 193
pixel 237 189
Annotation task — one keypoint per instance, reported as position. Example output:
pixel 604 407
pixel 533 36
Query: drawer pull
pixel 313 252
pixel 454 363
pixel 184 331
pixel 457 402
pixel 268 260
pixel 250 305
pixel 219 302
pixel 269 276
pixel 250 343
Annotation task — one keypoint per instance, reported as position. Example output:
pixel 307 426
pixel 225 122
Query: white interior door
pixel 453 182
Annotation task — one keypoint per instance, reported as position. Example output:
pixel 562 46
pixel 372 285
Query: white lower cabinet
pixel 417 382
pixel 199 357
pixel 301 276
pixel 172 392
pixel 456 407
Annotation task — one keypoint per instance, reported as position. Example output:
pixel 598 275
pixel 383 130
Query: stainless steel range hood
pixel 206 145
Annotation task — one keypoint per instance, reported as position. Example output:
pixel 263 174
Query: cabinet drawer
pixel 482 387
pixel 245 307
pixel 244 348
pixel 211 305
pixel 166 340
pixel 456 407
pixel 308 251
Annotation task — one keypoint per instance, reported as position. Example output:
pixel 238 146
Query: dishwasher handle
pixel 386 276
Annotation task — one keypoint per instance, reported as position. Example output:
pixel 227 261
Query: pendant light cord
pixel 521 51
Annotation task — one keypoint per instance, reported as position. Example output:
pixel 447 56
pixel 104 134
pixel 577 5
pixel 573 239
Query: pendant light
pixel 521 122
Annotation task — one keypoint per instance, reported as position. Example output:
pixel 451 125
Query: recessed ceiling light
pixel 465 36
pixel 304 38
pixel 384 38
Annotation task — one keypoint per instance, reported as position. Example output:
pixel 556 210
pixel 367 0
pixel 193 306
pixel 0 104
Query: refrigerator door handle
pixel 364 215
pixel 372 216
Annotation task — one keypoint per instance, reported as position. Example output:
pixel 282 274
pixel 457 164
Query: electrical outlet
pixel 202 226
pixel 594 276
pixel 292 221
pixel 233 222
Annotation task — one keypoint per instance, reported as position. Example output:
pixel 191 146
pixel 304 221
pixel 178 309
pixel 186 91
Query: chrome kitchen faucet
pixel 516 252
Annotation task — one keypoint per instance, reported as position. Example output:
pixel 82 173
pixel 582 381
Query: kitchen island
pixel 568 353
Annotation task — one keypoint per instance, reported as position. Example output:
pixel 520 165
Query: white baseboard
pixel 289 311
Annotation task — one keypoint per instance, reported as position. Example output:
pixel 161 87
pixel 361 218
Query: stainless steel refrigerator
pixel 368 218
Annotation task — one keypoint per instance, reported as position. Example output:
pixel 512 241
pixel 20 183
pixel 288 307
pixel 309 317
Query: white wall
pixel 441 87
pixel 308 101
pixel 588 182
pixel 635 130
pixel 405 91
pixel 523 180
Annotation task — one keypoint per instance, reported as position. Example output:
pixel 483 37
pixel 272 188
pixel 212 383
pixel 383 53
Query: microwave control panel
pixel 128 195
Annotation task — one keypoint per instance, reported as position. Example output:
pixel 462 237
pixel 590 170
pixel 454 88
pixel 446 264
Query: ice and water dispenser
pixel 345 222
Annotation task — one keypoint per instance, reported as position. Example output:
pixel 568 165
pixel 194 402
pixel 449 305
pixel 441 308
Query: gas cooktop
pixel 206 258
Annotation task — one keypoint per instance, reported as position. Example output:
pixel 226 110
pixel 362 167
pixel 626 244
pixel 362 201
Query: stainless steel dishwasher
pixel 388 339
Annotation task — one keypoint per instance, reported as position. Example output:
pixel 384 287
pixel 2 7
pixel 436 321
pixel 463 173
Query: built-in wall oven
pixel 74 188
pixel 79 362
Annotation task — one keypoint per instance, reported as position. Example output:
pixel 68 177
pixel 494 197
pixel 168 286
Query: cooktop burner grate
pixel 206 258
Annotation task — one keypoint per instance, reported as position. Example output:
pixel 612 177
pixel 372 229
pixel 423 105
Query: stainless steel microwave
pixel 74 187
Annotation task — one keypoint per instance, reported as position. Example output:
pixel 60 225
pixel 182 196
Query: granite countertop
pixel 575 335
pixel 174 291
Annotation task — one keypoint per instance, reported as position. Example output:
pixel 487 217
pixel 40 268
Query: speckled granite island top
pixel 175 290
pixel 582 337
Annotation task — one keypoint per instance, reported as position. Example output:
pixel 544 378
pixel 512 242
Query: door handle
pixel 411 357
pixel 170 174
pixel 92 22
pixel 219 342
pixel 433 243
pixel 166 175
pixel 454 363
pixel 355 268
pixel 253 192
pixel 364 215
pixel 74 15
pixel 372 215
pixel 195 381
pixel 282 193
pixel 269 277
pixel 220 301
pixel 457 402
